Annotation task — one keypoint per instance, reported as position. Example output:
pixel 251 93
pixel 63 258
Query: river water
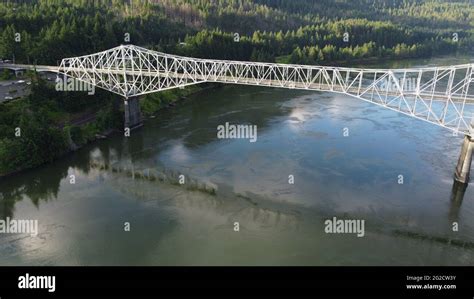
pixel 123 183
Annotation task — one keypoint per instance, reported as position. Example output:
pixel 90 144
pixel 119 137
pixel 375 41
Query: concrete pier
pixel 133 115
pixel 464 163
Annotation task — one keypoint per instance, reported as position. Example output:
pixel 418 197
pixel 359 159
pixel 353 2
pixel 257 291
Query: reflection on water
pixel 457 196
pixel 300 133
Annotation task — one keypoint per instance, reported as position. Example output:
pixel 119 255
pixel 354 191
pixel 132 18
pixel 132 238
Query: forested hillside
pixel 303 31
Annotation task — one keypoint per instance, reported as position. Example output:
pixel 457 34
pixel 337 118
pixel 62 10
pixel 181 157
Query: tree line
pixel 303 31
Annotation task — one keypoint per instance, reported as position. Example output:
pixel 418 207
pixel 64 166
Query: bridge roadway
pixel 356 91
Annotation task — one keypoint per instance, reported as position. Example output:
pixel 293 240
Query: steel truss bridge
pixel 443 96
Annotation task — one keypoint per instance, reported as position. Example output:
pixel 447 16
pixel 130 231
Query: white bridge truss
pixel 440 95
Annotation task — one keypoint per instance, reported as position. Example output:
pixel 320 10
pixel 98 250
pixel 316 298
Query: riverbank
pixel 89 127
pixel 150 104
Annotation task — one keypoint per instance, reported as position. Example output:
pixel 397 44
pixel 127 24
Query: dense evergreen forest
pixel 299 31
pixel 288 31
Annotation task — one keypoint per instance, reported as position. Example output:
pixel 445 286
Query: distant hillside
pixel 303 31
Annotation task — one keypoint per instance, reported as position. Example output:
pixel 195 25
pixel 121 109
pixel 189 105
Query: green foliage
pixel 51 30
pixel 89 131
pixel 6 75
pixel 108 118
pixel 77 135
pixel 152 103
pixel 316 33
pixel 41 117
pixel 39 143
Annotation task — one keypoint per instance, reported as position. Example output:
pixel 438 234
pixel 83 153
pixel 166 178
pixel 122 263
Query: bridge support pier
pixel 133 115
pixel 457 196
pixel 464 163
